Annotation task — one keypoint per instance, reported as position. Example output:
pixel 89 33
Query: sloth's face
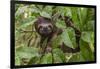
pixel 45 28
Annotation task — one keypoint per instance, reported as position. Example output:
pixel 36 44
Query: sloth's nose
pixel 45 29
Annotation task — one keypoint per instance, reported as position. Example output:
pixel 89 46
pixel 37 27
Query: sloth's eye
pixel 40 27
pixel 50 26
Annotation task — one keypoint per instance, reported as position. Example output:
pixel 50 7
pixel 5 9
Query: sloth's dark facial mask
pixel 45 29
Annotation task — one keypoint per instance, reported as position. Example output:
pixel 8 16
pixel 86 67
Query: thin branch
pixel 25 31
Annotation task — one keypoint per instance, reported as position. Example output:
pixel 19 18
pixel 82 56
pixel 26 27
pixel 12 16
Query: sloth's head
pixel 44 26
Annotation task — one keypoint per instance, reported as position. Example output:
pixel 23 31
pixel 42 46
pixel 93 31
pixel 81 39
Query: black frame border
pixel 12 34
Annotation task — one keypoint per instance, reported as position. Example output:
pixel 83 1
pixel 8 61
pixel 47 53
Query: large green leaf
pixel 86 51
pixel 26 52
pixel 66 38
pixel 59 56
pixel 88 37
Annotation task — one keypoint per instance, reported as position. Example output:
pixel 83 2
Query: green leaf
pixel 59 56
pixel 45 14
pixel 26 24
pixel 88 37
pixel 60 24
pixel 66 38
pixel 33 60
pixel 76 58
pixel 86 51
pixel 20 10
pixel 47 59
pixel 26 52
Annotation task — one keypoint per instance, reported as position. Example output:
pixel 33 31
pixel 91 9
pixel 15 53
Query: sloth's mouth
pixel 45 32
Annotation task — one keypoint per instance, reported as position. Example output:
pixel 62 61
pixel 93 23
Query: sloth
pixel 47 30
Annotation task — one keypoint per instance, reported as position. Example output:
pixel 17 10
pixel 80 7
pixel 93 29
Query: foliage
pixel 26 43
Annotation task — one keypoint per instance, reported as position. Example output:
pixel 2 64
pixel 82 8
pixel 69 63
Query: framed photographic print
pixel 52 34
